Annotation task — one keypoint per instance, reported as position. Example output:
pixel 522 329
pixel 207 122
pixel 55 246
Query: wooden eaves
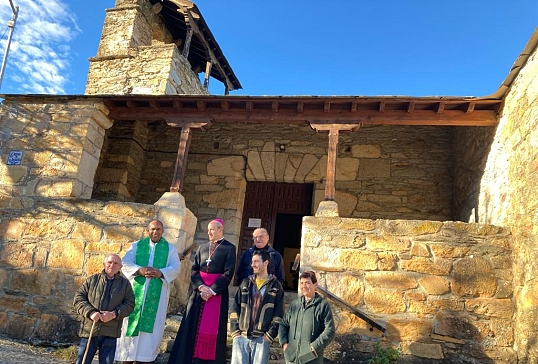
pixel 385 110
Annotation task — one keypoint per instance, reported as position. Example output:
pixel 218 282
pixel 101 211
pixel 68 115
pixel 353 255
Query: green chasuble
pixel 144 319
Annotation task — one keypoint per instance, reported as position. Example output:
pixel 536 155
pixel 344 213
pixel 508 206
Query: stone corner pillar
pixel 327 209
pixel 179 228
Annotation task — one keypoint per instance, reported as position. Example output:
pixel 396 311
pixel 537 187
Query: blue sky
pixel 351 47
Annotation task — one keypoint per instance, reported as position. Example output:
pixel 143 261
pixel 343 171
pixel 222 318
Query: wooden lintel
pixel 470 107
pixel 327 106
pixel 440 107
pixel 300 107
pixel 382 104
pixel 274 106
pixel 332 126
pixel 411 107
pixel 225 105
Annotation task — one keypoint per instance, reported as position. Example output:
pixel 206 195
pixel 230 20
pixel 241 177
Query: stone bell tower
pixel 157 47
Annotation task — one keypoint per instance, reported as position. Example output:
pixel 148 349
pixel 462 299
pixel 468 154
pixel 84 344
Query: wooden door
pixel 264 200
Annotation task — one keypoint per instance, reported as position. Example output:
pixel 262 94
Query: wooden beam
pixel 382 105
pixel 300 107
pixel 367 117
pixel 225 105
pixel 327 106
pixel 440 108
pixel 181 160
pixel 320 126
pixel 274 106
pixel 331 165
pixel 411 107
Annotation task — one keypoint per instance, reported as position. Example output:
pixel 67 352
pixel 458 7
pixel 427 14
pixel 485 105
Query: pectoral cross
pixel 208 260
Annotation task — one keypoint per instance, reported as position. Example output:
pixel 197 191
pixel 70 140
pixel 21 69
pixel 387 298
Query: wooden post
pixel 331 165
pixel 187 44
pixel 332 152
pixel 208 67
pixel 181 159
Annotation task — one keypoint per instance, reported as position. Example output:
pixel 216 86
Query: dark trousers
pixel 106 346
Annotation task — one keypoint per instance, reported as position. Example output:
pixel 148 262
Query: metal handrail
pixel 352 309
pixel 341 302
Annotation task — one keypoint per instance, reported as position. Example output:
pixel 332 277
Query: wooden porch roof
pixel 382 110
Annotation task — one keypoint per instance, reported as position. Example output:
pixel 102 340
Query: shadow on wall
pixel 472 146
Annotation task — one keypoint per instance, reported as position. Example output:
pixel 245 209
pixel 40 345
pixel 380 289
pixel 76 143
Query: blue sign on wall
pixel 14 158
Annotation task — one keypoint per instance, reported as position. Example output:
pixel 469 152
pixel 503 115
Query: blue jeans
pixel 106 346
pixel 250 351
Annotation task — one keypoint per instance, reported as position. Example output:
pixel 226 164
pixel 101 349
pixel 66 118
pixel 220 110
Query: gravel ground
pixel 14 352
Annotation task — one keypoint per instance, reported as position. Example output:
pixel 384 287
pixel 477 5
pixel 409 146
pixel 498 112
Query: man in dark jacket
pixel 256 313
pixel 103 301
pixel 261 242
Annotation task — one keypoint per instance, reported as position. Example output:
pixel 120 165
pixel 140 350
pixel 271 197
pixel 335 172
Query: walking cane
pixel 88 344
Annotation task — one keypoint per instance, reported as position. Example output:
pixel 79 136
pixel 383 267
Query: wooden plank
pixel 181 160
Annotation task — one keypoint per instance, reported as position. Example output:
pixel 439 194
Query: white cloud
pixel 39 56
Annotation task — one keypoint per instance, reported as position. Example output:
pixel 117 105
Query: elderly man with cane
pixel 103 301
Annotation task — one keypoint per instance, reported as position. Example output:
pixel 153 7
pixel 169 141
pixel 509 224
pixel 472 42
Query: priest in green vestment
pixel 151 264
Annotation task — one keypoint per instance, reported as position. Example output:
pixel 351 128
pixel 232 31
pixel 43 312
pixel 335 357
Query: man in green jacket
pixel 307 327
pixel 103 301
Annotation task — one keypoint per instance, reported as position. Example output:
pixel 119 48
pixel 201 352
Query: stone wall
pixel 60 141
pixel 137 55
pixel 442 289
pixel 49 247
pixel 505 193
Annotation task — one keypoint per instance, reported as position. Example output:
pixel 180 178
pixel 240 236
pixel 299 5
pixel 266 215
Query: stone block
pixel 408 329
pixel 439 266
pixel 47 327
pixel 388 243
pixel 410 227
pixel 500 308
pixel 227 199
pixel 127 209
pixel 346 286
pixel 12 303
pixel 51 229
pixel 227 166
pixel 10 175
pixel 434 285
pixel 390 280
pixel 36 281
pixel 366 151
pixel 444 250
pixel 20 326
pixel 67 253
pixel 386 301
pixel 17 255
pixel 107 247
pixel 87 231
pixel 94 264
pixel 423 350
pixel 377 168
pixel 123 234
pixel 474 276
pixel 460 327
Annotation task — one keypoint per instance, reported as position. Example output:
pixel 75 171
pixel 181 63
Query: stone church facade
pixel 427 222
